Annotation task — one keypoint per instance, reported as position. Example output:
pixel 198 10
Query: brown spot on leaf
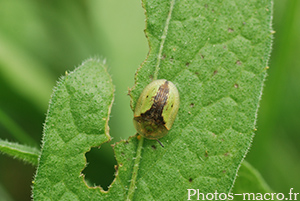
pixel 230 30
pixel 129 91
pixel 190 180
pixel 215 72
pixel 192 104
pixel 153 147
pixel 238 62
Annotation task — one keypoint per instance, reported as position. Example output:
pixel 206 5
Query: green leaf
pixel 251 185
pixel 77 120
pixel 249 180
pixel 216 53
pixel 22 152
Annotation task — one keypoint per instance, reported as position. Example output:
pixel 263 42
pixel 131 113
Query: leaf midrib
pixel 132 187
pixel 163 39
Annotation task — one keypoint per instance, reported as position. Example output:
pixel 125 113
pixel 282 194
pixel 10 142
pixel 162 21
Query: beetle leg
pixel 160 143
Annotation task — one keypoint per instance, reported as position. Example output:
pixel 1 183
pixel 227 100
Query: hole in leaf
pixel 192 105
pixel 187 64
pixel 100 168
pixel 236 85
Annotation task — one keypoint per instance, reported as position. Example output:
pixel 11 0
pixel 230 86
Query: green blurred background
pixel 40 40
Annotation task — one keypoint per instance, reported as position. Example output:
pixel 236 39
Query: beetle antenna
pixel 160 143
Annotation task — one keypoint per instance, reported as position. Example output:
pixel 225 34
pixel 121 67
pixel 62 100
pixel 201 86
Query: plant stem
pixel 22 152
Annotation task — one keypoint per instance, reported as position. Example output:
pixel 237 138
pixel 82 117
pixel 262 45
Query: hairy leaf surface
pixel 216 53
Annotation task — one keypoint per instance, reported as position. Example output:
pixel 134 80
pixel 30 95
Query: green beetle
pixel 156 109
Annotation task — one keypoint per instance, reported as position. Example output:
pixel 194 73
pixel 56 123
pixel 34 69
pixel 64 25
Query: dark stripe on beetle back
pixel 159 102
